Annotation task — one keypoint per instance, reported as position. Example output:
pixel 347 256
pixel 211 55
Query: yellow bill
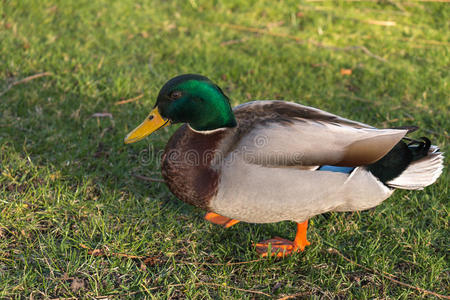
pixel 153 122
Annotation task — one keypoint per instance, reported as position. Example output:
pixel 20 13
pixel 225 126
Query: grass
pixel 66 179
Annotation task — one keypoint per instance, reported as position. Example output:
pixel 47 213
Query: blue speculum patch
pixel 346 170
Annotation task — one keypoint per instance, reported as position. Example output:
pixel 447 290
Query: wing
pixel 277 133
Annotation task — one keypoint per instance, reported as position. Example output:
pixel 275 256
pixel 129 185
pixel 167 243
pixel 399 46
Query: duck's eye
pixel 175 95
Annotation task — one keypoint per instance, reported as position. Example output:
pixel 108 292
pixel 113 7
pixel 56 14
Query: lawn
pixel 76 221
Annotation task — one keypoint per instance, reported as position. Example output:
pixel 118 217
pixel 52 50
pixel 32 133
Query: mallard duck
pixel 271 161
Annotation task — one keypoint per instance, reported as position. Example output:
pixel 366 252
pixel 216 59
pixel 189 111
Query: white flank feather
pixel 420 173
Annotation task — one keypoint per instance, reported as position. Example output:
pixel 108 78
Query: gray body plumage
pixel 258 194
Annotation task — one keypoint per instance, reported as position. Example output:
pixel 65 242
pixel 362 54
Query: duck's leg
pixel 301 241
pixel 281 247
pixel 220 220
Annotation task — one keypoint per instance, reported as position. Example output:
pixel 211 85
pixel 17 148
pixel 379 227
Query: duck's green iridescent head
pixel 189 98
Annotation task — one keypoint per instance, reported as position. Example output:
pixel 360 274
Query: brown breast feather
pixel 186 165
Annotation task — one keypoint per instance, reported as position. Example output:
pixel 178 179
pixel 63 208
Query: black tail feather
pixel 419 149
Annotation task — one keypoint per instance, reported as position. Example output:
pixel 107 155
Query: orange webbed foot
pixel 281 247
pixel 220 220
